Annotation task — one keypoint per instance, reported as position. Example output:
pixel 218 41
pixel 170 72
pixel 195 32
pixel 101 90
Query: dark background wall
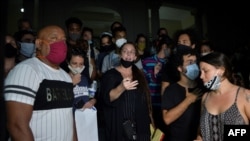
pixel 226 25
pixel 3 17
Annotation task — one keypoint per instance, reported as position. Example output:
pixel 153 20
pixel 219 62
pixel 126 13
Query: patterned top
pixel 154 81
pixel 212 126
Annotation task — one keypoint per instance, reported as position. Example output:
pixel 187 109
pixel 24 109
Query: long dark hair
pixel 217 60
pixel 138 75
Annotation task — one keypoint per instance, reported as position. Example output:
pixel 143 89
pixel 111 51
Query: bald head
pixel 48 35
pixel 51 31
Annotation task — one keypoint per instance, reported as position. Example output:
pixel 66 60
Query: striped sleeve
pixel 21 84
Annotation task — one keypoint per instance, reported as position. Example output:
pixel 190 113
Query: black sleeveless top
pixel 212 126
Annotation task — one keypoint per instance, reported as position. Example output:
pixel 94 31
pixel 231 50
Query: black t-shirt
pixel 186 126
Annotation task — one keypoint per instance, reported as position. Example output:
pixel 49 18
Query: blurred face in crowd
pixel 105 41
pixel 87 35
pixel 128 52
pixel 205 49
pixel 74 31
pixel 25 26
pixel 76 61
pixel 184 40
pixel 119 35
pixel 74 28
pixel 28 38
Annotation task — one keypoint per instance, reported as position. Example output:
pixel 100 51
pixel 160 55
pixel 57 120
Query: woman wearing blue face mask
pixel 180 100
pixel 225 103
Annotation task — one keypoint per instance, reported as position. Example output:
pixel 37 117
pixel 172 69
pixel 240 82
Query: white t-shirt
pixel 50 92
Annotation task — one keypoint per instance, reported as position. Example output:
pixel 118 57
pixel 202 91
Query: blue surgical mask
pixel 74 36
pixel 90 42
pixel 27 49
pixel 152 51
pixel 167 53
pixel 193 71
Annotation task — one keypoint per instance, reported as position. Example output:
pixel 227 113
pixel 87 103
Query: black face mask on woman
pixel 126 64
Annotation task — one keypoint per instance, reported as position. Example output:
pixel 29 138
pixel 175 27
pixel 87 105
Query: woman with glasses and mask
pixel 225 103
pixel 126 99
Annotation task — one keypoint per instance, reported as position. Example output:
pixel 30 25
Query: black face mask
pixel 126 64
pixel 107 48
pixel 10 51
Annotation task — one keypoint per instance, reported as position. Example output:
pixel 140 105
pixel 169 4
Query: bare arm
pixel 19 115
pixel 94 72
pixel 247 105
pixel 126 84
pixel 164 85
pixel 90 103
pixel 173 114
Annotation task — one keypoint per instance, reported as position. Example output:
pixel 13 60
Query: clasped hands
pixel 128 84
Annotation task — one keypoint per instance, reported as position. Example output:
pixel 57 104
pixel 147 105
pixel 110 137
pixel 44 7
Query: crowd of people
pixel 181 84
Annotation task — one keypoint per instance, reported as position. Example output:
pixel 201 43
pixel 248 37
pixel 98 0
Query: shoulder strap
pixel 237 94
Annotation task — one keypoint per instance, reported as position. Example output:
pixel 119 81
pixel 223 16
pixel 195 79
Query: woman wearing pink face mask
pixel 38 93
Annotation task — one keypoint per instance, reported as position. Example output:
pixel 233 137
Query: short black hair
pixel 23 20
pixel 118 29
pixel 160 29
pixel 112 25
pixel 87 29
pixel 19 35
pixel 73 20
pixel 75 52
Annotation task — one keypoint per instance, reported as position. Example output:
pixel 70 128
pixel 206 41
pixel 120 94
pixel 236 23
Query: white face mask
pixel 120 42
pixel 214 83
pixel 205 53
pixel 76 70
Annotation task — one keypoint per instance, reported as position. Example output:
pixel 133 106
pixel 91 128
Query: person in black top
pixel 181 99
pixel 126 99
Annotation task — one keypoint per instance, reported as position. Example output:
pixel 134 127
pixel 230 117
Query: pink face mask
pixel 58 52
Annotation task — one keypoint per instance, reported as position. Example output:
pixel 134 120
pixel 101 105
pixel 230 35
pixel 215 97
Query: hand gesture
pixel 157 68
pixel 194 94
pixel 128 84
pixel 76 78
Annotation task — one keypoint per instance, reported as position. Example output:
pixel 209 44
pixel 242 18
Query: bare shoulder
pixel 204 97
pixel 245 93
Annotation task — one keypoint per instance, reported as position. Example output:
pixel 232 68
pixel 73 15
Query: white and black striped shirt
pixel 50 92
